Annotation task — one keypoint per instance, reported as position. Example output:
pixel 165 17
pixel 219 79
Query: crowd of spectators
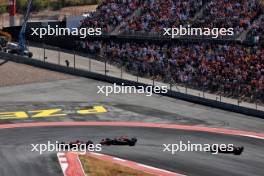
pixel 257 32
pixel 229 14
pixel 233 70
pixel 154 15
pixel 158 14
pixel 110 13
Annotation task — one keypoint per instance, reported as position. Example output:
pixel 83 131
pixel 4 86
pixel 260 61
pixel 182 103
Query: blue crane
pixel 22 34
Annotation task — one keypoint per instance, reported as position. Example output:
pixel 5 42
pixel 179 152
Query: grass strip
pixel 96 167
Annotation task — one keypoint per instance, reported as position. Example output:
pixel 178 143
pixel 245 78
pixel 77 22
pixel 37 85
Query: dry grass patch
pixel 3 2
pixel 96 167
pixel 12 73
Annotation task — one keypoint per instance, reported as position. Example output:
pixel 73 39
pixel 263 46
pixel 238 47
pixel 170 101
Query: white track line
pixel 81 166
pixel 119 159
pixel 63 162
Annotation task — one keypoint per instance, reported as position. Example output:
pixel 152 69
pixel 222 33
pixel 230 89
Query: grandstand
pixel 234 69
pixel 236 14
pixel 155 16
pixel 150 17
pixel 110 13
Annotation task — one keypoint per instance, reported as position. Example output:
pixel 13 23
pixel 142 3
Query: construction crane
pixel 22 34
pixel 14 48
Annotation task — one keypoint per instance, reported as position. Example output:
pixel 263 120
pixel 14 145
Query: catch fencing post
pixel 105 66
pixel 44 53
pixel 203 90
pixel 137 72
pixel 121 71
pixel 221 93
pixel 90 63
pixel 59 58
pixel 74 59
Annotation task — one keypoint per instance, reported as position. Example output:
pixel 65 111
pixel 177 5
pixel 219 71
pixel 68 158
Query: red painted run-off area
pixel 75 167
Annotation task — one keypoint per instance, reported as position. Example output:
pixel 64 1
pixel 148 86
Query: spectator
pixel 229 14
pixel 109 14
pixel 159 14
pixel 67 63
pixel 256 34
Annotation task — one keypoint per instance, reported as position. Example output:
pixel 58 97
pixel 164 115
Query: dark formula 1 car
pixel 74 144
pixel 119 141
pixel 228 150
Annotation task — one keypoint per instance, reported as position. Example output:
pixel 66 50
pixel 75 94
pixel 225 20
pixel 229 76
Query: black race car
pixel 228 150
pixel 75 144
pixel 119 141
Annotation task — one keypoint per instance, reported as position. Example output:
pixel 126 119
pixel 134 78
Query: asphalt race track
pixel 17 159
pixel 67 94
pixel 75 94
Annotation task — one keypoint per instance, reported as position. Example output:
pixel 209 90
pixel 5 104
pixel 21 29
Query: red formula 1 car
pixel 75 144
pixel 228 150
pixel 119 141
